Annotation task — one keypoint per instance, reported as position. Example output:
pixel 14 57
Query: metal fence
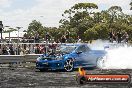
pixel 28 48
pixel 25 52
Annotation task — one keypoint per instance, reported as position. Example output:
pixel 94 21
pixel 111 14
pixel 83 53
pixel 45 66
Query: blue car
pixel 70 57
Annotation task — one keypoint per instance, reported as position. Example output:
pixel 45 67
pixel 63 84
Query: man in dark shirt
pixel 111 36
pixel 63 39
pixel 119 37
pixel 67 35
pixel 37 38
pixel 11 50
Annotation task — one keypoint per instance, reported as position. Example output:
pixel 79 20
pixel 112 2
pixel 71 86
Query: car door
pixel 81 59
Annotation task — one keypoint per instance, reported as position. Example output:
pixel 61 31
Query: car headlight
pixel 39 58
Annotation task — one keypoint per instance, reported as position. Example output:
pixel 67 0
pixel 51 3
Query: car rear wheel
pixel 68 65
pixel 101 62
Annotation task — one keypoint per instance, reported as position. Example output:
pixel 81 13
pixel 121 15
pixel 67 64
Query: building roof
pixel 13 34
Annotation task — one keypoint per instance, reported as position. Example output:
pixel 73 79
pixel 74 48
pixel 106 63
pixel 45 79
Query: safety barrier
pixel 18 58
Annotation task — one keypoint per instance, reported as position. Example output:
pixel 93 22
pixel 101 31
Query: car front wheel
pixel 68 65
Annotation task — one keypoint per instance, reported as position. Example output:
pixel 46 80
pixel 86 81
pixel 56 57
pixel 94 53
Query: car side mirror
pixel 79 52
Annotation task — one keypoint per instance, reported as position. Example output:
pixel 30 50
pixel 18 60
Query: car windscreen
pixel 67 49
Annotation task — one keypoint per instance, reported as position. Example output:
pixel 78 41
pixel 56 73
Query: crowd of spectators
pixel 118 36
pixel 34 44
pixel 27 49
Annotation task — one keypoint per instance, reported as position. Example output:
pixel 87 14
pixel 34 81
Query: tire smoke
pixel 119 56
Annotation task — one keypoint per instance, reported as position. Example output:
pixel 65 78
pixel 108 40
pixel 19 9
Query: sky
pixel 19 13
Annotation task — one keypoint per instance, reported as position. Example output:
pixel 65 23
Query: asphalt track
pixel 32 78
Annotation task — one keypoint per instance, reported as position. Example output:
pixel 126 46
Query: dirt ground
pixel 32 78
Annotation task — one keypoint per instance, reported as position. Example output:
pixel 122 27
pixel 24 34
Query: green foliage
pixel 102 31
pixel 115 9
pixel 131 5
pixel 98 31
pixel 81 20
pixel 84 6
pixel 90 34
pixel 35 27
pixel 78 17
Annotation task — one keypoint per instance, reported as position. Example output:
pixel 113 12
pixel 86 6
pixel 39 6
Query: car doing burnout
pixel 70 57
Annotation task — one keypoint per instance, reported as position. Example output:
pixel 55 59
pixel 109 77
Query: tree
pixel 81 20
pixel 131 5
pixel 90 34
pixel 35 27
pixel 98 31
pixel 78 17
pixel 114 12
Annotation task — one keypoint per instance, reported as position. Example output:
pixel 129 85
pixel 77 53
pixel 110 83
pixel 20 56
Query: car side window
pixel 81 49
pixel 87 48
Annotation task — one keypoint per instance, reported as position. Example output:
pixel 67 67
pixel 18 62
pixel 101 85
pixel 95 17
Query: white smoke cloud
pixel 119 58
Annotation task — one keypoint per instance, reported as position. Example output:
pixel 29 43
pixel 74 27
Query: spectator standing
pixel 37 38
pixel 58 41
pixel 42 49
pixel 111 36
pixel 119 37
pixel 63 39
pixel 125 37
pixel 67 36
pixel 47 37
pixel 30 39
pixel 78 39
pixel 4 51
pixel 18 50
pixel 11 50
pixel 37 49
